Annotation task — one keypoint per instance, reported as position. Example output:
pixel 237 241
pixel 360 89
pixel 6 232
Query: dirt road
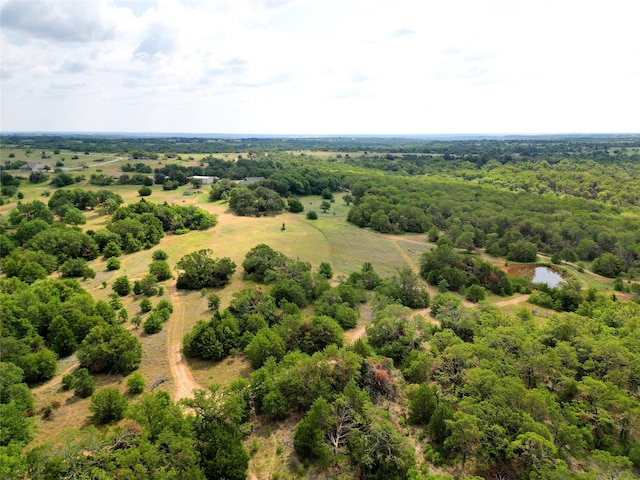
pixel 512 301
pixel 183 381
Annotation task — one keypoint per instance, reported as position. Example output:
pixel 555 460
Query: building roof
pixel 34 166
pixel 250 180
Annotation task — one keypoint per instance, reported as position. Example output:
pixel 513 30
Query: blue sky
pixel 320 66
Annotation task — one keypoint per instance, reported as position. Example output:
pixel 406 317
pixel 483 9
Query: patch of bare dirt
pixel 512 301
pixel 183 381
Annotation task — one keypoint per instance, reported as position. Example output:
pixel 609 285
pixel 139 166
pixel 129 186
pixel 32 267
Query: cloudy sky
pixel 320 66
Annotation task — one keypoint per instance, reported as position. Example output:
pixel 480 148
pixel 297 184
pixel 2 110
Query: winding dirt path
pixel 183 381
pixel 366 314
pixel 58 377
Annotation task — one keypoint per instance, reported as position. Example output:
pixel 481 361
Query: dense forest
pixel 443 384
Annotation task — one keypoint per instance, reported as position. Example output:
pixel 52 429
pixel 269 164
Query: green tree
pixel 422 403
pixel 213 302
pixel 199 270
pixel 313 335
pixel 111 249
pixel 405 288
pixel 147 286
pixel 144 191
pixel 32 271
pixel 266 343
pixel 74 216
pixel 295 205
pixel 475 293
pixel 312 215
pixel 135 383
pixel 107 405
pixel 145 305
pixel 261 259
pixel 438 427
pixel 61 337
pixel 309 437
pixel 608 265
pixel 465 435
pixel 153 324
pixel 113 264
pixel 38 366
pixel 83 383
pixel 324 206
pixel 325 270
pixel 121 286
pixel 535 451
pixel 394 333
pixel 161 270
pixel 159 255
pixel 74 267
pixel 523 251
pixel 15 427
pixel 110 349
pixel 217 432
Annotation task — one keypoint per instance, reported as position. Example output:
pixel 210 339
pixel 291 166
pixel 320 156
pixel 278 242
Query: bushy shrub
pixel 121 286
pixel 113 264
pixel 135 383
pixel 153 324
pixel 107 405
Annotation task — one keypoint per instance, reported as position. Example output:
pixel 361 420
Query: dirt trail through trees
pixel 58 378
pixel 183 380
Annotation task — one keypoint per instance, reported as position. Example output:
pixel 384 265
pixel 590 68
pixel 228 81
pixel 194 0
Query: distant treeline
pixel 139 147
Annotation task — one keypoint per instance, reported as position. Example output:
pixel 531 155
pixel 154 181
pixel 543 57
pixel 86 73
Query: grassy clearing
pixel 221 373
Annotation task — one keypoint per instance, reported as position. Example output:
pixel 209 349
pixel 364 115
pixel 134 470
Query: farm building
pixel 204 179
pixel 250 180
pixel 34 166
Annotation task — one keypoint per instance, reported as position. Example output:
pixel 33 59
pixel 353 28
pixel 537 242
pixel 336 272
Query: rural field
pixel 333 239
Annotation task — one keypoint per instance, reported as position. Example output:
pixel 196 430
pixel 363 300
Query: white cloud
pixel 319 66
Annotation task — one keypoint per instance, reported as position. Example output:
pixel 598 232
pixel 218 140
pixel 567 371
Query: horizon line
pixel 310 135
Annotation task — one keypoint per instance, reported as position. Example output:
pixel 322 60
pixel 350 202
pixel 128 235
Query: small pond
pixel 537 274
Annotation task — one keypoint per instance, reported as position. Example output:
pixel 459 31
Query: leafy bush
pixel 110 349
pixel 73 267
pixel 295 205
pixel 199 270
pixel 135 383
pixel 159 255
pixel 111 249
pixel 144 191
pixel 107 405
pixel 121 286
pixel 113 263
pixel 145 305
pixel 212 340
pixel 148 286
pixel 83 383
pixel 213 301
pixel 161 270
pixel 153 324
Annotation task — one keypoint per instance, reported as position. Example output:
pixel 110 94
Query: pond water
pixel 537 274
